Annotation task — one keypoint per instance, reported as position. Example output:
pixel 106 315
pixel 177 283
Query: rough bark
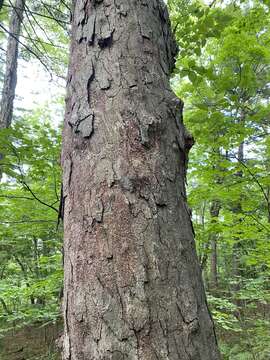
pixel 10 77
pixel 132 287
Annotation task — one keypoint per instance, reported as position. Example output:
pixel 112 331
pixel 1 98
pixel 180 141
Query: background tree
pixel 10 78
pixel 227 108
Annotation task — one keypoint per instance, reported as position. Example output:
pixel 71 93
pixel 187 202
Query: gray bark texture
pixel 10 77
pixel 132 287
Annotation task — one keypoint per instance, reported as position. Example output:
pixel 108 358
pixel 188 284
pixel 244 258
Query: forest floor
pixel 31 343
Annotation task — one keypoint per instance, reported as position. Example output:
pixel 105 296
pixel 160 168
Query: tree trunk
pixel 213 267
pixel 237 209
pixel 214 212
pixel 10 77
pixel 132 287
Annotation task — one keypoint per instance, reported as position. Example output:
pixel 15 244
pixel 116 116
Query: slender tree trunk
pixel 132 287
pixel 214 212
pixel 25 275
pixel 10 77
pixel 5 307
pixel 237 238
pixel 213 268
pixel 267 165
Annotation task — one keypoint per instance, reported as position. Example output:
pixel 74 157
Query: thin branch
pixel 34 195
pixel 48 7
pixel 26 47
pixel 44 54
pixel 254 177
pixel 5 306
pixel 258 222
pixel 38 40
pixel 45 16
pixel 23 182
pixel 16 197
pixel 33 28
pixel 212 3
pixel 66 6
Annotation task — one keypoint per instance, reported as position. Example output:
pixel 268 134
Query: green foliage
pixel 30 238
pixel 222 73
pixel 223 312
pixel 30 243
pixel 46 33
